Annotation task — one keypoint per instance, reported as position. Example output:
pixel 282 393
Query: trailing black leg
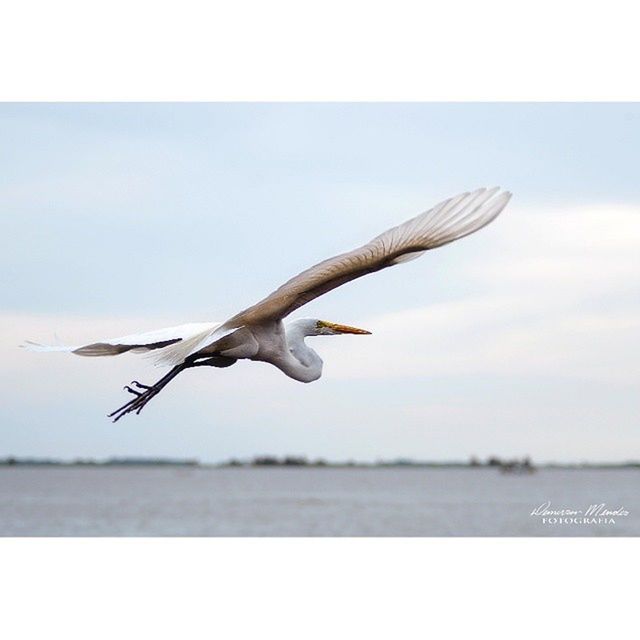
pixel 138 403
pixel 215 361
pixel 143 392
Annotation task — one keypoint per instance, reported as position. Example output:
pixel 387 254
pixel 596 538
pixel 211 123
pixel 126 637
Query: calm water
pixel 307 502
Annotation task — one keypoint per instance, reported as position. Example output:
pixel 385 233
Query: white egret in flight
pixel 259 333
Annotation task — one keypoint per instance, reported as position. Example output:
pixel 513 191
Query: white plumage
pixel 258 332
pixel 135 342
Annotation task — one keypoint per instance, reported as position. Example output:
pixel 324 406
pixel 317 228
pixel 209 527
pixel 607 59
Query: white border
pixel 318 588
pixel 334 50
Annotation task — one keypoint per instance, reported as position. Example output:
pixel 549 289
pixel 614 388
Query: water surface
pixel 174 501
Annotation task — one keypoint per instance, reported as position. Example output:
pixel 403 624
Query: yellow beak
pixel 343 328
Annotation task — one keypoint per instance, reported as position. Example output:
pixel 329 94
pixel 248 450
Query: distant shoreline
pixel 265 462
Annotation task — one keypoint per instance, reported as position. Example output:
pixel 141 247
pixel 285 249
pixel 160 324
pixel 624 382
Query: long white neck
pixel 301 361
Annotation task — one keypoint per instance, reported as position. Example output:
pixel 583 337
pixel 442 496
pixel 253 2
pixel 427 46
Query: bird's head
pixel 325 328
pixel 308 327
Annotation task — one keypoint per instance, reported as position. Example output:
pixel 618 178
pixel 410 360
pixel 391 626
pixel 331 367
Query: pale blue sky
pixel 520 340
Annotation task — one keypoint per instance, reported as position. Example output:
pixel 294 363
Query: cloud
pixel 557 303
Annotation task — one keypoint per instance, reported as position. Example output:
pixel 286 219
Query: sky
pixel 523 339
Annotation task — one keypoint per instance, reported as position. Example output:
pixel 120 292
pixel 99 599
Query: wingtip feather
pixel 29 345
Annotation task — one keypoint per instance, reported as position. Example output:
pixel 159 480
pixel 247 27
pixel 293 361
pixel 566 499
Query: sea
pixel 309 501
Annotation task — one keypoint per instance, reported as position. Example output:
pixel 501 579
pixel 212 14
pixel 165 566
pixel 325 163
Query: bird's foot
pixel 138 403
pixel 143 392
pixel 140 385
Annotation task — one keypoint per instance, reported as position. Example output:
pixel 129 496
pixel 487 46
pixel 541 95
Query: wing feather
pixel 136 343
pixel 449 220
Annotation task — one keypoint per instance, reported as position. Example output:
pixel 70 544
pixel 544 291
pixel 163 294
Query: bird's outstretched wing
pixel 136 343
pixel 448 221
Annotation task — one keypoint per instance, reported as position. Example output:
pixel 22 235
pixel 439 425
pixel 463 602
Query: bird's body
pixel 259 333
pixel 283 346
pixel 274 342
